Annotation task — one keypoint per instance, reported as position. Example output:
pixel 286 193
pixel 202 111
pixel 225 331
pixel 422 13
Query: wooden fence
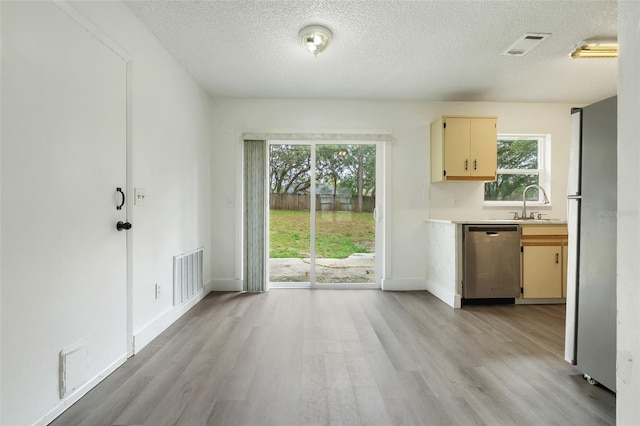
pixel 323 202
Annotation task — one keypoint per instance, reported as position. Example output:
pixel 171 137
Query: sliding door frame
pixel 379 217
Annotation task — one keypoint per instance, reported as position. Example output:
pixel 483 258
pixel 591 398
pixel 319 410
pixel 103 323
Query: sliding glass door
pixel 322 215
pixel 345 231
pixel 289 213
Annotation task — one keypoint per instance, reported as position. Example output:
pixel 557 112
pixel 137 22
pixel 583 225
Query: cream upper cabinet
pixel 544 261
pixel 464 148
pixel 484 148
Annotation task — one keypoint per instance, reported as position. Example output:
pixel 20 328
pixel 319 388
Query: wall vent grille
pixel 187 276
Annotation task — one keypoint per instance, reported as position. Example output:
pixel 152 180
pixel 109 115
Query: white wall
pixel 408 187
pixel 628 337
pixel 169 158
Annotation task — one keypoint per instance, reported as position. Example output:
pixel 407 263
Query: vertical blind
pixel 255 161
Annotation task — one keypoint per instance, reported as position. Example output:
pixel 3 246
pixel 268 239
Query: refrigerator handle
pixel 574 197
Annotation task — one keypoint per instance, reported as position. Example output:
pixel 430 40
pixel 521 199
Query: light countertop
pixel 501 221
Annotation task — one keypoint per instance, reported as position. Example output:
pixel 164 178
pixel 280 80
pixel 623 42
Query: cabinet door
pixel 456 147
pixel 542 271
pixel 483 147
pixel 565 256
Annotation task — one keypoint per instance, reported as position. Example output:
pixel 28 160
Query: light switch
pixel 139 195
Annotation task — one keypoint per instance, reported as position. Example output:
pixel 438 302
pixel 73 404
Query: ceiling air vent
pixel 524 44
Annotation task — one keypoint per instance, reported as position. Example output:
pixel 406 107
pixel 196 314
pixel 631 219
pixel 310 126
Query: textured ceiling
pixel 420 50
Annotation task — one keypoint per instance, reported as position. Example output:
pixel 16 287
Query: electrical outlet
pixel 158 291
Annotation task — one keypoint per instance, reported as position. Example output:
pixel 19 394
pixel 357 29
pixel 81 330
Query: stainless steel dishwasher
pixel 491 262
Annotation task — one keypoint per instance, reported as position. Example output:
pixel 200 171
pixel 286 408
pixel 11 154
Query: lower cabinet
pixel 565 256
pixel 544 261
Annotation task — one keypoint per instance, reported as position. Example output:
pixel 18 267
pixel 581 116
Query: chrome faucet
pixel 545 199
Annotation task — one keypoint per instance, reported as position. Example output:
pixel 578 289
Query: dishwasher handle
pixel 492 229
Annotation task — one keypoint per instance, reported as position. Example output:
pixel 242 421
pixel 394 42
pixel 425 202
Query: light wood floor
pixel 366 357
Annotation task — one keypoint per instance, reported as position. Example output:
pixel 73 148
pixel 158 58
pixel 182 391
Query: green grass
pixel 338 234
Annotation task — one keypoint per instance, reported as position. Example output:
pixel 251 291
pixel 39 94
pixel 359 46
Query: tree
pixel 289 167
pixel 330 165
pixel 514 155
pixel 347 168
pixel 361 164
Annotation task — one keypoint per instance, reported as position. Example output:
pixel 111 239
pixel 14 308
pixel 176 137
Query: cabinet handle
pixel 119 206
pixel 466 164
pixel 475 164
pixel 557 258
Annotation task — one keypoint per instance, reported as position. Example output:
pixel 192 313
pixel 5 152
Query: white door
pixel 63 156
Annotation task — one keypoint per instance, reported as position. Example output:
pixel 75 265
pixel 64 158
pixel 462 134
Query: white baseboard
pixel 153 329
pixel 80 392
pixel 447 295
pixel 457 301
pixel 226 285
pixel 403 284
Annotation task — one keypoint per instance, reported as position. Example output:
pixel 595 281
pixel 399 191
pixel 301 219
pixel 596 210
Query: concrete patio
pixel 357 268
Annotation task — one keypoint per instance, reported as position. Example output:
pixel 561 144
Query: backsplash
pixel 465 200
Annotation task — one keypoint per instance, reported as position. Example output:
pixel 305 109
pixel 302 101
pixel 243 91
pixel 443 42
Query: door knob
pixel 123 225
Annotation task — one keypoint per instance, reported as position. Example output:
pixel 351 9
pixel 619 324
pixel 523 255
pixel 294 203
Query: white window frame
pixel 543 170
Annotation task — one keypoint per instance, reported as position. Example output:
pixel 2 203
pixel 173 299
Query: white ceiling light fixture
pixel 596 49
pixel 315 38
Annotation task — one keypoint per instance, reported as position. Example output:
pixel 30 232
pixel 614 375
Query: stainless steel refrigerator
pixel 591 272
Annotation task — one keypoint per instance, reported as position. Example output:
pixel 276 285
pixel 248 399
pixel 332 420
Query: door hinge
pixel 444 173
pixel 444 125
pixel 521 249
pixel 521 290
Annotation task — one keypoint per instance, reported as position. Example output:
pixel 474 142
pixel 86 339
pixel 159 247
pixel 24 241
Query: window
pixel 520 164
